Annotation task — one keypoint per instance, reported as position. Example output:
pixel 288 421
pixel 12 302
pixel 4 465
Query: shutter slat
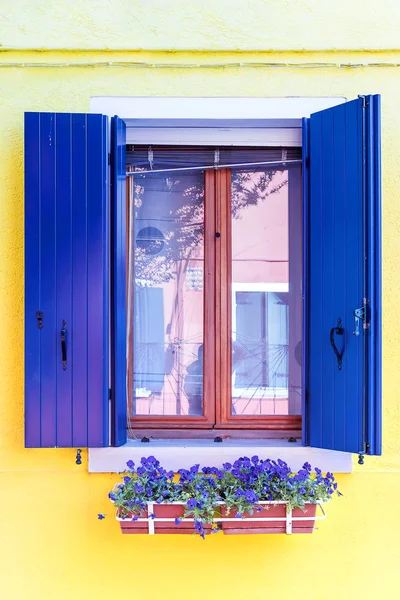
pixel 48 280
pixel 316 310
pixel 32 284
pixel 63 275
pixel 340 264
pixel 119 386
pixel 97 312
pixel 79 340
pixel 353 392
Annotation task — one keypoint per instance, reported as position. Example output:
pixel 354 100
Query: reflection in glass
pixel 166 242
pixel 266 293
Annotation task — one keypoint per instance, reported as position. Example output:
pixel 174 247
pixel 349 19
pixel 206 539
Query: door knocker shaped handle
pixel 64 345
pixel 338 330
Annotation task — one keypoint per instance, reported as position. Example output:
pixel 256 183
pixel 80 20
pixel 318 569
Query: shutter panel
pixel 118 232
pixel 66 280
pixel 342 275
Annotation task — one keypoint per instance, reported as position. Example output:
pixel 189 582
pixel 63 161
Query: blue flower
pixel 239 515
pixel 178 521
pixel 255 459
pixel 302 490
pixel 135 518
pixel 250 496
pixel 307 467
pixel 130 464
pixel 152 516
pixel 227 466
pixel 194 469
pixel 112 497
pixel 239 493
pixel 127 479
pixel 191 503
pixel 101 516
pixel 138 488
pixel 198 525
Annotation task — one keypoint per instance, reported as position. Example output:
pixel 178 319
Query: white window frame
pixel 214 121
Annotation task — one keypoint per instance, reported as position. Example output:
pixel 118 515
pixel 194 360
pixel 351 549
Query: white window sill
pixel 175 454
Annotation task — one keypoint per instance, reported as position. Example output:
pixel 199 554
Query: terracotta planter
pixel 162 511
pixel 279 521
pixel 279 525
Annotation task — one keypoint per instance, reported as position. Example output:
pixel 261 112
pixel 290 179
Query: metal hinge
pixel 360 315
pixel 109 394
pixel 39 317
pixel 109 158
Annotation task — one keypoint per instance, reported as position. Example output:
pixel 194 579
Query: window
pixel 214 288
pixel 256 348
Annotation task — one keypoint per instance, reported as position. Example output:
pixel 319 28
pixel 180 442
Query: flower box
pixel 248 496
pixel 273 518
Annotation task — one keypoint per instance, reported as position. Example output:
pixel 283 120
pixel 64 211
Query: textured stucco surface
pixel 206 25
pixel 52 547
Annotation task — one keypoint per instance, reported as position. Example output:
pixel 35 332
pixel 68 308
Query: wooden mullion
pixel 209 330
pixel 223 294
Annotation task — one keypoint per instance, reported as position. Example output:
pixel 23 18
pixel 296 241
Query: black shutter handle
pixel 64 345
pixel 338 330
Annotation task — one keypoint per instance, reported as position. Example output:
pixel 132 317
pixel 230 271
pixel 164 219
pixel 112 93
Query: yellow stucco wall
pixel 51 544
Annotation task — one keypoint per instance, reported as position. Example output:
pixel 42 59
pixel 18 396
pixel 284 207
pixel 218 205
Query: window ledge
pixel 176 454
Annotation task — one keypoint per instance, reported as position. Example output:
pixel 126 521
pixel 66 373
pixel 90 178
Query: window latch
pixel 359 316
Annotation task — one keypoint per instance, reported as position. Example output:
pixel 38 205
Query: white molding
pixel 167 108
pixel 211 121
pixel 177 454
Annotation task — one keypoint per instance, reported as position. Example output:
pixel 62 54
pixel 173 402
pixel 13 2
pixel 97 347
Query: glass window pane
pixel 266 292
pixel 166 298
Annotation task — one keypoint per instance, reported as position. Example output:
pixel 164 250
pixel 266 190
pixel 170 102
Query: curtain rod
pixel 207 167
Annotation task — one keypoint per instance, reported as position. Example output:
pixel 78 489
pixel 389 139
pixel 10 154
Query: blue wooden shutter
pixel 118 313
pixel 343 275
pixel 66 280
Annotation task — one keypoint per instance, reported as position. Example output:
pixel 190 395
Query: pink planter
pixel 279 521
pixel 274 526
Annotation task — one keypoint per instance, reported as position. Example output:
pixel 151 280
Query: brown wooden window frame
pixel 217 419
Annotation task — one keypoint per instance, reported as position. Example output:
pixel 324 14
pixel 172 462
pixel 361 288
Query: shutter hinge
pixel 364 101
pixel 78 459
pixel 39 317
pixel 362 454
pixel 360 315
pixel 109 394
pixel 109 158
